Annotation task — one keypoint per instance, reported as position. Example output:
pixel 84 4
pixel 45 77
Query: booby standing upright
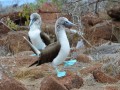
pixel 56 52
pixel 38 38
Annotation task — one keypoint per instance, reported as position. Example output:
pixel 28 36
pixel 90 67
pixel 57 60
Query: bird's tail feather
pixel 37 52
pixel 34 63
pixel 38 62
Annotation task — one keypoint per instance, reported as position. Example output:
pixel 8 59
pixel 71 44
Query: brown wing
pixel 45 38
pixel 48 54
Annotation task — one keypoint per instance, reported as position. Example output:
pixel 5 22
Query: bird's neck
pixel 65 47
pixel 61 36
pixel 35 27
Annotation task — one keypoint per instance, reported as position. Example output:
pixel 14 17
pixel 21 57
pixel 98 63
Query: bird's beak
pixel 69 24
pixel 31 22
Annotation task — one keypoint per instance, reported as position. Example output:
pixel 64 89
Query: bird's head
pixel 35 18
pixel 64 22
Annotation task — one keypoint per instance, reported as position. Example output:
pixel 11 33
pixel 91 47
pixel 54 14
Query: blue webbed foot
pixel 33 55
pixel 70 62
pixel 60 73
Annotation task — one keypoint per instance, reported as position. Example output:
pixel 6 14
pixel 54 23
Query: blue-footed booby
pixel 58 51
pixel 38 38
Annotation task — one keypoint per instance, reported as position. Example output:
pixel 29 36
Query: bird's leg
pixel 70 62
pixel 60 73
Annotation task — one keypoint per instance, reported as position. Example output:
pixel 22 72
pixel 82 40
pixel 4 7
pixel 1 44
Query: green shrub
pixel 11 24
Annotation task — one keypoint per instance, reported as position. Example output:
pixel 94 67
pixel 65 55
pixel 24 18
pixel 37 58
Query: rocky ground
pixel 97 67
pixel 97 70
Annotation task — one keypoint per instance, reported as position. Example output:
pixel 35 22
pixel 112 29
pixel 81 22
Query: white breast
pixel 64 50
pixel 36 39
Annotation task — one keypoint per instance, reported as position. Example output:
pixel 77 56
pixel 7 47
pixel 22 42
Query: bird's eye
pixel 66 22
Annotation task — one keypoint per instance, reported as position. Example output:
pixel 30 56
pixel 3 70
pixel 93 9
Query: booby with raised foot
pixel 36 36
pixel 56 52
